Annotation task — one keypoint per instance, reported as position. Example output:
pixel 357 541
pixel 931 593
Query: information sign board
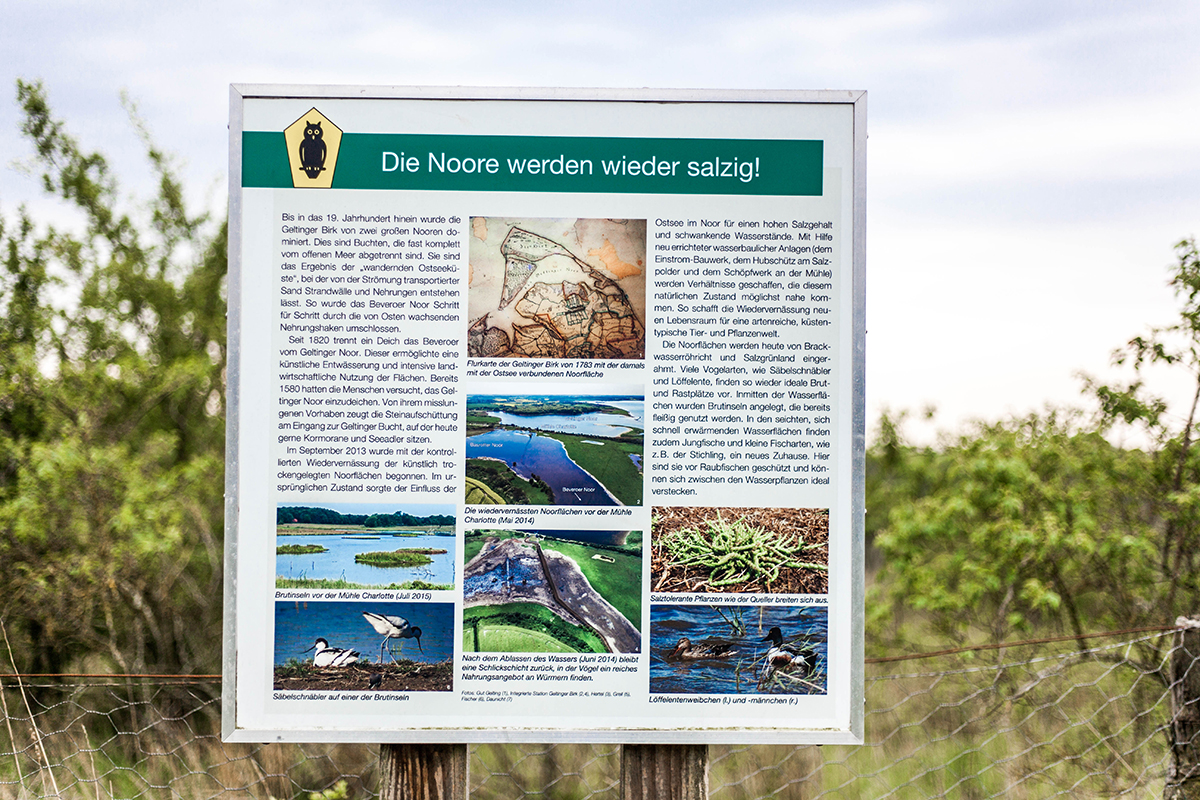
pixel 545 415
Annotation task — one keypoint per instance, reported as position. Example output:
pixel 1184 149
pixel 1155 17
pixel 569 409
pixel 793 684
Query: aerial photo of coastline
pixel 555 449
pixel 364 546
pixel 552 591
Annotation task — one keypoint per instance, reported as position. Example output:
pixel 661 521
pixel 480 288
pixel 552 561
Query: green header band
pixel 551 164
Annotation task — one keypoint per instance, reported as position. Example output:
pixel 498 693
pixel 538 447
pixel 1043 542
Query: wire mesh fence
pixel 1092 722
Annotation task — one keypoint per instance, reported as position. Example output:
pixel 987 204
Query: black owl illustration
pixel 312 149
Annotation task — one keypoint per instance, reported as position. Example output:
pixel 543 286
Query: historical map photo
pixel 557 288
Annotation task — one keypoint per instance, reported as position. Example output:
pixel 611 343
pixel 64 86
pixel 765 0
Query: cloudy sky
pixel 1030 163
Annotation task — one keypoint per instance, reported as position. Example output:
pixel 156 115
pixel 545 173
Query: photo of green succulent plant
pixel 759 550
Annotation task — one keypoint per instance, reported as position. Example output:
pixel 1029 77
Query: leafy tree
pixel 308 515
pixel 402 519
pixel 1023 523
pixel 112 364
pixel 1041 522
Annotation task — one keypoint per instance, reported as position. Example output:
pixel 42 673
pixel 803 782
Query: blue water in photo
pixel 527 453
pixel 299 623
pixel 594 424
pixel 737 674
pixel 339 561
pixel 515 571
pixel 584 537
pixel 635 409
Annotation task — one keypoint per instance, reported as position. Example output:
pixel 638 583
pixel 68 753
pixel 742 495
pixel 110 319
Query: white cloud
pixel 1136 137
pixel 1030 163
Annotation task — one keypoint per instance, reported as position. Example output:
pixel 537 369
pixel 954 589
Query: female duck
pixel 685 650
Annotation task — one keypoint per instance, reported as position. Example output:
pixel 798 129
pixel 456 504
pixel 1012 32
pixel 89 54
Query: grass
pixel 495 478
pixel 959 727
pixel 313 529
pixel 479 494
pixel 404 557
pixel 308 529
pixel 336 583
pixel 620 583
pixel 139 741
pixel 608 462
pixel 952 727
pixel 536 619
pixel 473 542
pixel 299 549
pixel 509 639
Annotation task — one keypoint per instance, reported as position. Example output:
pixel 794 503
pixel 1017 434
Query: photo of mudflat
pixel 364 546
pixel 552 591
pixel 554 450
pixel 557 288
pixel 739 550
pixel 738 649
pixel 368 646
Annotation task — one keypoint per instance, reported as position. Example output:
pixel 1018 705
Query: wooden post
pixel 664 772
pixel 422 772
pixel 1183 774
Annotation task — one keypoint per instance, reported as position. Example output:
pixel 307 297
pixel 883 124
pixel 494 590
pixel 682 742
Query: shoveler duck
pixel 685 650
pixel 780 657
pixel 327 656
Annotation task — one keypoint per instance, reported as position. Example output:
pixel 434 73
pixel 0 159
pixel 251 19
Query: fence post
pixel 1183 775
pixel 422 772
pixel 664 772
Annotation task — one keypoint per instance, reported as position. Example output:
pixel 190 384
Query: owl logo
pixel 312 150
pixel 312 142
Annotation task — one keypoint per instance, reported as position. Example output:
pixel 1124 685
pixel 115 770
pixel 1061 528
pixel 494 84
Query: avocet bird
pixel 327 656
pixel 790 656
pixel 392 627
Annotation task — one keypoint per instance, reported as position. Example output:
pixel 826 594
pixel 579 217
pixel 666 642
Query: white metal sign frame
pixel 526 158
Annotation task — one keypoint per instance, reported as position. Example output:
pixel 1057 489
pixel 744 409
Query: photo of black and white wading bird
pixel 327 656
pixel 306 626
pixel 392 627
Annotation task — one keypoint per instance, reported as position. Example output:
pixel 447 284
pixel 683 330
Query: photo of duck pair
pixel 798 656
pixel 737 649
